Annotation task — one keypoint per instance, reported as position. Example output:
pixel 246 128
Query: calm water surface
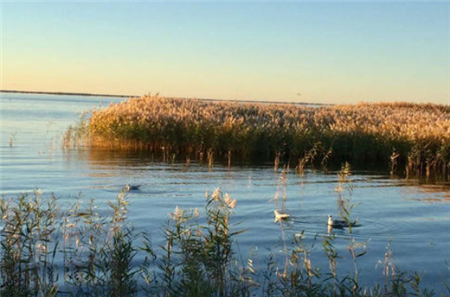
pixel 413 215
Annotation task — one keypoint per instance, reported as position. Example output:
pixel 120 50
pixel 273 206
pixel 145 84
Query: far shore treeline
pixel 404 138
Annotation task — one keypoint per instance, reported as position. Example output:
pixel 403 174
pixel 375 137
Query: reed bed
pixel 413 139
pixel 47 251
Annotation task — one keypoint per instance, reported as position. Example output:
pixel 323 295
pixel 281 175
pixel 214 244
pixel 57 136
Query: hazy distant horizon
pixel 325 52
pixel 138 96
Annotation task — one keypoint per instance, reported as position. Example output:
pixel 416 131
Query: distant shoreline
pixel 135 96
pixel 66 93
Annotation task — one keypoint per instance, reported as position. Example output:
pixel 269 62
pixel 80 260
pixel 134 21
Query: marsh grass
pixel 405 138
pixel 78 134
pixel 27 246
pixel 345 202
pixel 47 251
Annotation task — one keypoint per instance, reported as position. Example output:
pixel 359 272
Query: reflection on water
pixel 434 193
pixel 416 216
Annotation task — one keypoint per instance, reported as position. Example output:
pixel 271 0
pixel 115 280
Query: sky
pixel 322 52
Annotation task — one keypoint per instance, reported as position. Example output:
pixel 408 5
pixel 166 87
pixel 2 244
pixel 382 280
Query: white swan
pixel 280 215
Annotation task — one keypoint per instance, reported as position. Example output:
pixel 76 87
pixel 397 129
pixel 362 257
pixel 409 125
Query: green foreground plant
pixel 46 251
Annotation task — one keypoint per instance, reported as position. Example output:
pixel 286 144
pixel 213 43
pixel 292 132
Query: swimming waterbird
pixel 280 215
pixel 338 224
pixel 132 187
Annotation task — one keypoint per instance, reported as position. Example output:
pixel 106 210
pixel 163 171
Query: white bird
pixel 338 224
pixel 132 187
pixel 280 215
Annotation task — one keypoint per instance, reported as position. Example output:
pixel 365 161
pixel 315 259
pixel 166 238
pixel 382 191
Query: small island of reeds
pixel 405 138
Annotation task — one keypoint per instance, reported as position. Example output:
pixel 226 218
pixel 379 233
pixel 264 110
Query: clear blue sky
pixel 324 51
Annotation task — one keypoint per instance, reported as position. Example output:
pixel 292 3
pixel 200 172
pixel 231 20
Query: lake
pixel 413 215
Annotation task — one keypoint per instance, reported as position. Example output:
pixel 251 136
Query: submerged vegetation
pixel 46 251
pixel 413 139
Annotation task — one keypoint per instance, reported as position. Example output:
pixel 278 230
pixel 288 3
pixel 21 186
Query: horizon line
pixel 136 96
